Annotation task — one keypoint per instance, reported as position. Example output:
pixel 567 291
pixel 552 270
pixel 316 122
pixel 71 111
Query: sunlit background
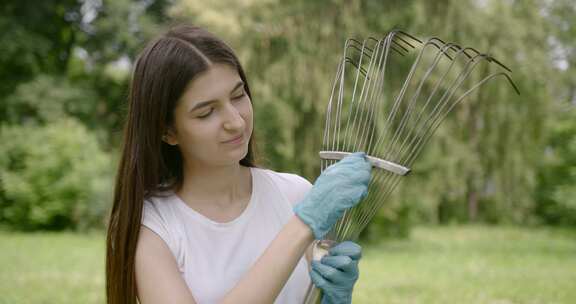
pixel 488 215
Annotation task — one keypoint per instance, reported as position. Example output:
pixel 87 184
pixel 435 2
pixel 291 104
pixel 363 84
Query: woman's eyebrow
pixel 208 102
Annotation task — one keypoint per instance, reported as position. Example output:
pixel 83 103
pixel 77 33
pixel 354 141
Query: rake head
pixel 392 118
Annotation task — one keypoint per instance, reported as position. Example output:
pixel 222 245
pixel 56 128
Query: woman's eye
pixel 206 114
pixel 239 96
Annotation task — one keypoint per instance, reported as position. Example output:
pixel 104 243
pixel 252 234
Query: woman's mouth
pixel 236 140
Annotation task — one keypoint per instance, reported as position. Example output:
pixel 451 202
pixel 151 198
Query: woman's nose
pixel 233 120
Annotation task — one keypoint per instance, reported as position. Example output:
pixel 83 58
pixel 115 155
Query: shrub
pixel 53 177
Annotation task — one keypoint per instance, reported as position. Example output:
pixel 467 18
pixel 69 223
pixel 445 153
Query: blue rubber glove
pixel 339 187
pixel 337 272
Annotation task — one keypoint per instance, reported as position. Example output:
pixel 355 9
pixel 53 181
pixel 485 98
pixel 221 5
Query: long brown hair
pixel 148 165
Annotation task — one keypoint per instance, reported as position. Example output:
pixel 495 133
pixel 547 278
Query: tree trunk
pixel 472 202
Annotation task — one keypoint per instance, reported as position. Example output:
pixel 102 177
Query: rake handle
pixel 320 249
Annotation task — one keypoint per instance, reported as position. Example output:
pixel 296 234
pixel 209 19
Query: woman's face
pixel 213 118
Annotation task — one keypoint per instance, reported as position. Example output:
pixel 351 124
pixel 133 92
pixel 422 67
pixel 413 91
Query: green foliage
pixel 31 46
pixel 481 165
pixel 556 189
pixel 498 157
pixel 46 99
pixel 53 177
pixel 61 96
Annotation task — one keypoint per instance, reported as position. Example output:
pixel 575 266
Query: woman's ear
pixel 169 137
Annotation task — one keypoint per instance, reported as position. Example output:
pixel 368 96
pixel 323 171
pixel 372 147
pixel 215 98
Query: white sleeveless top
pixel 212 256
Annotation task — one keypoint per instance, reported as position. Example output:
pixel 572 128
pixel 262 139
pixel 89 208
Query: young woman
pixel 193 219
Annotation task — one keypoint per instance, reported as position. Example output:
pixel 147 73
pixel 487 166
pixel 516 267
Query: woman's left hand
pixel 337 272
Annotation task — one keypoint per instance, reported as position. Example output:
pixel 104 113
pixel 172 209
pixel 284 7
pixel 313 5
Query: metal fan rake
pixel 392 118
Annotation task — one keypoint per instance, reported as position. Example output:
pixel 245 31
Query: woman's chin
pixel 241 155
pixel 223 158
pixel 234 157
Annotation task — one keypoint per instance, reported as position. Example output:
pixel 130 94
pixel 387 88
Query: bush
pixel 556 191
pixel 53 177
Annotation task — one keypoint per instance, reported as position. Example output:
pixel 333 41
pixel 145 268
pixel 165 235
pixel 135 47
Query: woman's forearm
pixel 267 277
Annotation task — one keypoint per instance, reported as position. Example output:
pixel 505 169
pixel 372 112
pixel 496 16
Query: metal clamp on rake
pixel 375 161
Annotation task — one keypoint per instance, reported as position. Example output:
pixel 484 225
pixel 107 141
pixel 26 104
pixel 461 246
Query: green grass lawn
pixel 51 268
pixel 459 264
pixel 471 265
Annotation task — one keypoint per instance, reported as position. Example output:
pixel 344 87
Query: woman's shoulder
pixel 284 177
pixel 160 216
pixel 293 186
pixel 159 204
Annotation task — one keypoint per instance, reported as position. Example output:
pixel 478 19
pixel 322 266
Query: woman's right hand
pixel 337 272
pixel 339 187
